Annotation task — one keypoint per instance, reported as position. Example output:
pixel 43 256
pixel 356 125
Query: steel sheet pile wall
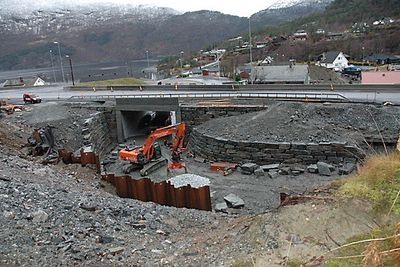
pixel 144 189
pixel 161 193
pixel 83 157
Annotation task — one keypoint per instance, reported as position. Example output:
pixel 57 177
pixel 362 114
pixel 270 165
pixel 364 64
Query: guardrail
pixel 235 87
pixel 285 96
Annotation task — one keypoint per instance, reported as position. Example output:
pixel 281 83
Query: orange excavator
pixel 148 157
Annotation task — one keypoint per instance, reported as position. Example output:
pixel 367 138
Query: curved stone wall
pixel 218 149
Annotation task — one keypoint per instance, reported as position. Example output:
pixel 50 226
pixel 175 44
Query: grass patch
pixel 121 81
pixel 344 256
pixel 378 181
pixel 243 263
pixel 294 263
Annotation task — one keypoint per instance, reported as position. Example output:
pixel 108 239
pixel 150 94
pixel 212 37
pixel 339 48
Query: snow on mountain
pixel 290 3
pixel 43 18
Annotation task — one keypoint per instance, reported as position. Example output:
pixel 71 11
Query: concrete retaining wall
pixel 218 149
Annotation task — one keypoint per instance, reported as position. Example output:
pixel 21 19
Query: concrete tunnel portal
pixel 138 117
pixel 142 123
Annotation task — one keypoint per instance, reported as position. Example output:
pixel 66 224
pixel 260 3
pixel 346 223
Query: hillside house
pixel 380 77
pixel 300 35
pixel 284 74
pixel 334 36
pixel 382 59
pixel 334 60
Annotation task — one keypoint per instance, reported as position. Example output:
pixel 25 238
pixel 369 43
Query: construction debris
pixel 42 141
pixel 222 166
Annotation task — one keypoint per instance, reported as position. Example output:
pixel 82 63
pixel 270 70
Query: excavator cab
pixel 148 157
pixel 157 150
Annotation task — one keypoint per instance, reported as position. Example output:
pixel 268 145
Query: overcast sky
pixel 233 7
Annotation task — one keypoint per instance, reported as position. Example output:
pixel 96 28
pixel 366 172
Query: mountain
pixel 287 10
pixel 109 32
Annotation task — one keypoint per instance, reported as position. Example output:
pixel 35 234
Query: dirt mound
pixel 308 122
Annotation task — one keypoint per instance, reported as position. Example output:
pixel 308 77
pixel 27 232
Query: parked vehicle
pixel 352 71
pixel 31 98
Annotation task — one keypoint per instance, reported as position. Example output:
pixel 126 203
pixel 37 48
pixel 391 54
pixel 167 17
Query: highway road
pixel 58 92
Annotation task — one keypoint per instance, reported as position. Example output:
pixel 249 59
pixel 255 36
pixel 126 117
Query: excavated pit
pixel 294 134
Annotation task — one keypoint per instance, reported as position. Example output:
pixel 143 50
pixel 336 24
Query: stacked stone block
pixel 219 149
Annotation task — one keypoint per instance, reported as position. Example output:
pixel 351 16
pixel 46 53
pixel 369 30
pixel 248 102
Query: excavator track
pixel 153 166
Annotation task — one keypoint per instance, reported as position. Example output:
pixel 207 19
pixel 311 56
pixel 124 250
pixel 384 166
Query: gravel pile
pixel 52 218
pixel 195 181
pixel 299 122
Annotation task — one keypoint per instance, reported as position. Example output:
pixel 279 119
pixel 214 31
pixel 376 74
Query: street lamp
pixel 59 53
pixel 251 53
pixel 52 65
pixel 72 72
pixel 147 57
pixel 181 60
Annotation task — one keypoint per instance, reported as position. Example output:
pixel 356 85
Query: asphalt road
pixel 58 92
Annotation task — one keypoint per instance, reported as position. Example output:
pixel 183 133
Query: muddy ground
pixel 57 215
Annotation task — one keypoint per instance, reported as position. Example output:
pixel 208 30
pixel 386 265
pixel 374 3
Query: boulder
pixel 313 168
pixel 273 174
pixel 221 207
pixel 270 167
pixel 39 216
pixel 347 169
pixel 234 201
pixel 248 168
pixel 325 169
pixel 259 172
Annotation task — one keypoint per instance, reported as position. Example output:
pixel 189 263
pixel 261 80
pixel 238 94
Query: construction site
pixel 184 182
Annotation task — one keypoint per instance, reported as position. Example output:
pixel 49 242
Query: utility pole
pixel 52 66
pixel 72 72
pixel 251 53
pixel 59 53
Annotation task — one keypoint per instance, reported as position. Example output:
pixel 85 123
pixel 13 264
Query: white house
pixel 334 60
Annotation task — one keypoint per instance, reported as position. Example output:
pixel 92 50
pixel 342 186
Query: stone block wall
pixel 196 115
pixel 218 149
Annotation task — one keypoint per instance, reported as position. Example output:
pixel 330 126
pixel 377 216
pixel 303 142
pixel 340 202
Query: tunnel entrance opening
pixel 141 123
pixel 136 119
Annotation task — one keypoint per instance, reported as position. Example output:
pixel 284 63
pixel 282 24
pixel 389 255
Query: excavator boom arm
pixel 178 129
